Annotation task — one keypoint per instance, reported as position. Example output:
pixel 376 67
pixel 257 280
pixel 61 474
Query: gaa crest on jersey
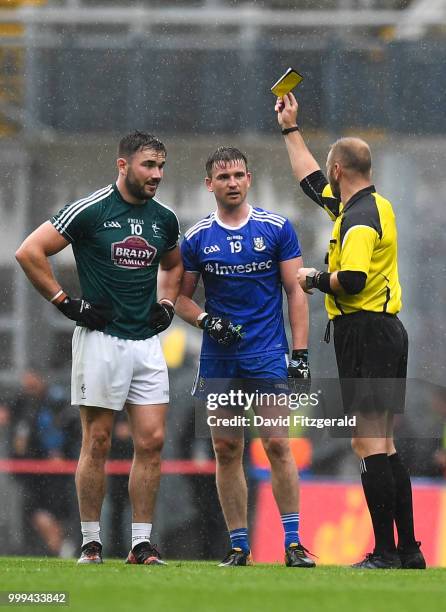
pixel 132 252
pixel 259 243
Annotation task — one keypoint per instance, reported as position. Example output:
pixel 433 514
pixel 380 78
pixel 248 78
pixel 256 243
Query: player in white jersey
pixel 126 248
pixel 245 255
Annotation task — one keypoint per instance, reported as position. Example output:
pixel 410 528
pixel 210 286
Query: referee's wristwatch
pixel 311 279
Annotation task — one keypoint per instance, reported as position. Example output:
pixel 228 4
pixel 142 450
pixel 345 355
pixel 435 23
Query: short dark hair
pixel 354 154
pixel 223 155
pixel 137 141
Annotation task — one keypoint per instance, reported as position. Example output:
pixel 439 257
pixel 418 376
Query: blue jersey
pixel 241 276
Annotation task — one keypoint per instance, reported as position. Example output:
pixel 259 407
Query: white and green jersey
pixel 117 247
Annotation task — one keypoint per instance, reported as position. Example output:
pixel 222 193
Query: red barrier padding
pixel 335 523
pixel 113 467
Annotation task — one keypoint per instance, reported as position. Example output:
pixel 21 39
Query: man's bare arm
pixel 302 161
pixel 220 330
pixel 33 256
pixel 297 302
pixel 169 275
pixel 186 308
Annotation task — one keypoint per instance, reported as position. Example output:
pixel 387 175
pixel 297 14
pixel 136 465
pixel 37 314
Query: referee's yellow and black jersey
pixel 364 239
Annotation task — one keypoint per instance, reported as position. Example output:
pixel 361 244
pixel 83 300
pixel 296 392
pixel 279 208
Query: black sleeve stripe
pixel 352 281
pixel 313 186
pixel 363 212
pixel 333 205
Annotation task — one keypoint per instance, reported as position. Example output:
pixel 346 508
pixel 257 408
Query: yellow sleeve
pixel 357 248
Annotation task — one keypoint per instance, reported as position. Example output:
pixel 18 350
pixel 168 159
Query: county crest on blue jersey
pixel 259 243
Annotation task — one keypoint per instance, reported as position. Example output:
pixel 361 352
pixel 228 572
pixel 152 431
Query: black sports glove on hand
pixel 221 330
pixel 161 315
pixel 299 371
pixel 93 316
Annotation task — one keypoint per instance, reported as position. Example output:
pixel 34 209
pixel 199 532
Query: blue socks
pixel 290 524
pixel 239 539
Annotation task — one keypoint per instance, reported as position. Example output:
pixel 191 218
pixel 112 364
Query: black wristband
pixel 322 282
pixel 286 131
pixel 201 323
pixel 299 354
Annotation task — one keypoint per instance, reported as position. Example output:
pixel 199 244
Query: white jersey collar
pixel 234 227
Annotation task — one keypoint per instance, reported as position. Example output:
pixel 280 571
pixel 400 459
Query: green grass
pixel 196 587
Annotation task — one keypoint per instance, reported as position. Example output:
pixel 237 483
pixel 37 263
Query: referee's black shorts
pixel 371 353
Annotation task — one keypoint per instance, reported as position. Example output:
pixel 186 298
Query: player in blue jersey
pixel 245 255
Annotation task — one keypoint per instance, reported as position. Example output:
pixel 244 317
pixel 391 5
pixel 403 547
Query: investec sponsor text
pixel 225 269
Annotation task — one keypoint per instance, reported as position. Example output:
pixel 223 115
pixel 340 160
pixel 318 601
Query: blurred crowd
pixel 39 513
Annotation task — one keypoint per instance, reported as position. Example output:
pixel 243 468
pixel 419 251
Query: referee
pixel 363 297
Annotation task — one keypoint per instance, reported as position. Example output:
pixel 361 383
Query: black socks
pixel 380 493
pixel 403 504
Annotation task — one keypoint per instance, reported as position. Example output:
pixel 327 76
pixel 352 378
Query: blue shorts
pixel 266 374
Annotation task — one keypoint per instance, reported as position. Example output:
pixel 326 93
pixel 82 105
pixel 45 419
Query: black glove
pixel 299 377
pixel 93 316
pixel 221 330
pixel 160 316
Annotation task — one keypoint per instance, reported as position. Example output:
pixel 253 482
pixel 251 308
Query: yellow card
pixel 286 83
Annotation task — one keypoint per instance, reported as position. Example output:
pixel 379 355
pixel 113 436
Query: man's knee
pixel 97 427
pixel 228 451
pixel 277 449
pixel 149 444
pixel 97 442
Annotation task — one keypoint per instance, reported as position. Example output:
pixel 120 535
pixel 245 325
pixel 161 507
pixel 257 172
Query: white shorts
pixel 107 371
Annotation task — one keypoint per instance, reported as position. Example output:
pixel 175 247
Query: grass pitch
pixel 202 587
